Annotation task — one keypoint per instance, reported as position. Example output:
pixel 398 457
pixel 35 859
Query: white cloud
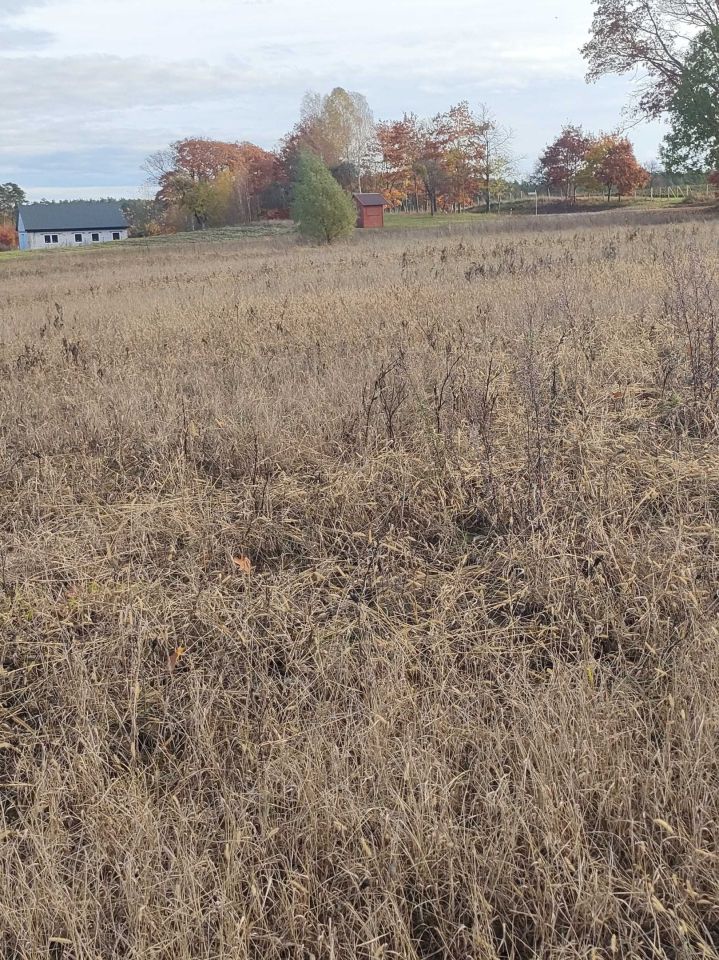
pixel 14 39
pixel 55 86
pixel 137 74
pixel 127 191
pixel 20 38
pixel 12 8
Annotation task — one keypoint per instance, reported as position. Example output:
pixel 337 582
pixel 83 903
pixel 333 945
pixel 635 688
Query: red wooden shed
pixel 370 209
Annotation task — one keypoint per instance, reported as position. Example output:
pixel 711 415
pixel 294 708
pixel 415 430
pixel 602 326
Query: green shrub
pixel 321 209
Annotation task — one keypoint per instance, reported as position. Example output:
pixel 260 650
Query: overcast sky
pixel 90 87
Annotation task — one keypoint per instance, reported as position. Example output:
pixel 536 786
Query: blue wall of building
pixel 22 234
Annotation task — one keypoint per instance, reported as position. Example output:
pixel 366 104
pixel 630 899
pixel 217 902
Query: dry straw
pixel 362 602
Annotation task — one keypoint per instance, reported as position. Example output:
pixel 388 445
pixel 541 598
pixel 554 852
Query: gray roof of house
pixel 74 215
pixel 370 199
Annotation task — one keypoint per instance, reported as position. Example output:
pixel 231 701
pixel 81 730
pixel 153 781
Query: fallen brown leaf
pixel 177 654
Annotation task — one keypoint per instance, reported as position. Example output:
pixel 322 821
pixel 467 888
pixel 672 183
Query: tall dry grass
pixel 466 702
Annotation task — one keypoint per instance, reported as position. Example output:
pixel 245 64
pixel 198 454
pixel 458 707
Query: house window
pixel 48 238
pixel 78 238
pixel 55 238
pixel 116 236
pixel 95 237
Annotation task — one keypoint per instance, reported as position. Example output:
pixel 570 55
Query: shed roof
pixel 370 199
pixel 73 215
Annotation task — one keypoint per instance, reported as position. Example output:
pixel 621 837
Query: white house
pixel 42 226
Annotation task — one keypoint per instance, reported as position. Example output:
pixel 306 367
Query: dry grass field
pixel 362 602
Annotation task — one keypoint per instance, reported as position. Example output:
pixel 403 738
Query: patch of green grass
pixel 254 231
pixel 412 221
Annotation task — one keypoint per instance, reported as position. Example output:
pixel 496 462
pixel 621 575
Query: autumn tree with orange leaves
pixel 399 148
pixel 446 161
pixel 594 163
pixel 564 159
pixel 429 160
pixel 618 169
pixel 429 163
pixel 465 148
pixel 8 237
pixel 213 181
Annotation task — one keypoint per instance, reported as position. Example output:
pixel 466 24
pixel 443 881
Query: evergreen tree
pixel 321 208
pixel 11 197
